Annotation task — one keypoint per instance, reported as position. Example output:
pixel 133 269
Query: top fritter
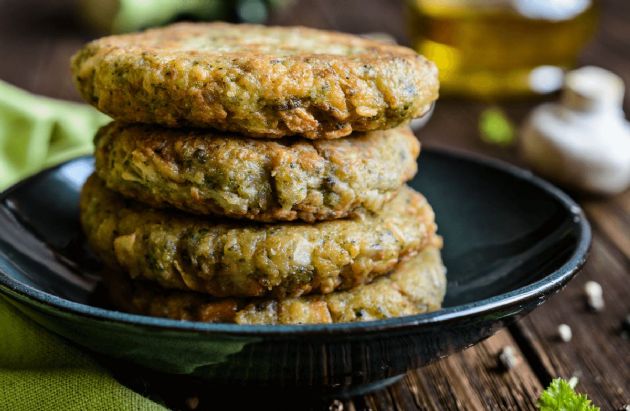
pixel 256 80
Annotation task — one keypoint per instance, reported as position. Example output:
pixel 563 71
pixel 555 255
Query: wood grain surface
pixel 37 39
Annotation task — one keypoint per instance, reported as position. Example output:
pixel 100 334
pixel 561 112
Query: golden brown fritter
pixel 416 286
pixel 263 180
pixel 256 80
pixel 228 258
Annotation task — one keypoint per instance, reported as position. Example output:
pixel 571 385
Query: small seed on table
pixel 594 296
pixel 565 333
pixel 336 406
pixel 507 358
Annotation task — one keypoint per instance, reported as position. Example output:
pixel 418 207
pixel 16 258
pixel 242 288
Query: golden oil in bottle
pixel 501 48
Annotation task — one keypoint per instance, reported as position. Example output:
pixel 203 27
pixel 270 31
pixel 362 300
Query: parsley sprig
pixel 560 396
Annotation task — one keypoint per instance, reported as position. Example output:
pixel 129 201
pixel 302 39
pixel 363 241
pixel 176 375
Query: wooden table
pixel 37 38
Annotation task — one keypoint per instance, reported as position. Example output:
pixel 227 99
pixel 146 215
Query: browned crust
pixel 260 81
pixel 263 180
pixel 416 286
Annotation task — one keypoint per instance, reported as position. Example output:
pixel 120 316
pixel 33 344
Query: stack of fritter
pixel 256 175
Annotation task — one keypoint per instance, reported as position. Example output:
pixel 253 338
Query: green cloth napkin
pixel 38 370
pixel 38 132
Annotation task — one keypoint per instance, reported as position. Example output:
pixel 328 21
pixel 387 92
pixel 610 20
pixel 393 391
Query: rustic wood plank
pixel 612 217
pixel 36 42
pixel 623 201
pixel 470 380
pixel 597 354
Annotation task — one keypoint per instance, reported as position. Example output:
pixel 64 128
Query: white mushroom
pixel 584 140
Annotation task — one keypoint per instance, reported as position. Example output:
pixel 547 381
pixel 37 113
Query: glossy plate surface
pixel 511 240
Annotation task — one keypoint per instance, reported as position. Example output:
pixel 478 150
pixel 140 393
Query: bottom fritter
pixel 416 286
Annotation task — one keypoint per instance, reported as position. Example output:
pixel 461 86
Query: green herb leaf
pixel 560 396
pixel 495 127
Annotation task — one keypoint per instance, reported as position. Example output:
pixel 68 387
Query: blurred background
pixel 498 59
pixel 484 48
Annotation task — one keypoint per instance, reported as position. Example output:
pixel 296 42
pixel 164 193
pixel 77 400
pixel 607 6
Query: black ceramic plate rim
pixel 547 285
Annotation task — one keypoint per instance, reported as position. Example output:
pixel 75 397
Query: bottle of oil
pixel 501 48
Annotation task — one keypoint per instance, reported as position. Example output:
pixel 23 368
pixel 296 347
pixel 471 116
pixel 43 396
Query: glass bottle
pixel 501 48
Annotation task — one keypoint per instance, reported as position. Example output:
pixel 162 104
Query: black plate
pixel 511 240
